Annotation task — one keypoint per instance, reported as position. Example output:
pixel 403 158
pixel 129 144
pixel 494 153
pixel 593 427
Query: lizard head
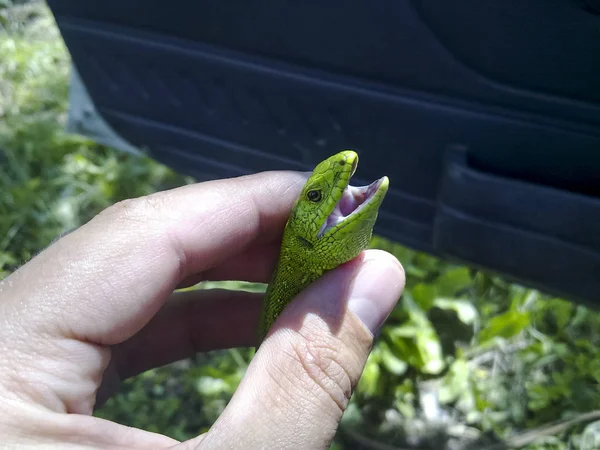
pixel 330 210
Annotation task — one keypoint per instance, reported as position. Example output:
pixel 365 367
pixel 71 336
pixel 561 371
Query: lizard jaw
pixel 354 199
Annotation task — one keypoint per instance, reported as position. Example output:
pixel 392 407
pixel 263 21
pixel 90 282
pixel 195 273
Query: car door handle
pixel 542 235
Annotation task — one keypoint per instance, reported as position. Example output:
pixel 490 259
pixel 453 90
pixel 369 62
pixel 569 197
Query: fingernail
pixel 376 289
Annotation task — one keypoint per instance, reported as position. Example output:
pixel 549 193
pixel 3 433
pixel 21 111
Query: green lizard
pixel 330 224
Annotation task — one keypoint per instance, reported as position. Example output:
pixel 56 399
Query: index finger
pixel 104 281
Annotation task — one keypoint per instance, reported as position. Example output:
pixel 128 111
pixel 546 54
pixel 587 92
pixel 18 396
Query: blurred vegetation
pixel 467 360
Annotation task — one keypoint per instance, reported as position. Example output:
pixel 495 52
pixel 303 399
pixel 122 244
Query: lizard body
pixel 330 224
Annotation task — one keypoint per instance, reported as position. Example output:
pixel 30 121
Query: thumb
pixel 301 379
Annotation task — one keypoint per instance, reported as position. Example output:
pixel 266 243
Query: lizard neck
pixel 295 270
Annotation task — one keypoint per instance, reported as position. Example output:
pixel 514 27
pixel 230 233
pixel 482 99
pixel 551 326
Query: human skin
pixel 98 306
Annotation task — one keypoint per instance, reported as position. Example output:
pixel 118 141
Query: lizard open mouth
pixel 353 200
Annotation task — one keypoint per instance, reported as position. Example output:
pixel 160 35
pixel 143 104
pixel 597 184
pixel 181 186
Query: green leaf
pixel 416 341
pixel 453 281
pixel 429 346
pixel 391 362
pixel 506 325
pixel 418 346
pixel 424 295
pixel 465 310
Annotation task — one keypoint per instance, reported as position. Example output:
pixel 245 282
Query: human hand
pixel 98 306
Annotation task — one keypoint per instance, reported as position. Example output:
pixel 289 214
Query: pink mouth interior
pixel 353 198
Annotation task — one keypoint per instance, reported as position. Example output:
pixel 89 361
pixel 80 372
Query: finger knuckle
pixel 324 366
pixel 136 209
pixel 142 211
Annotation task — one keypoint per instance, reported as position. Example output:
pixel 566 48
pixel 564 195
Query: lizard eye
pixel 314 196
